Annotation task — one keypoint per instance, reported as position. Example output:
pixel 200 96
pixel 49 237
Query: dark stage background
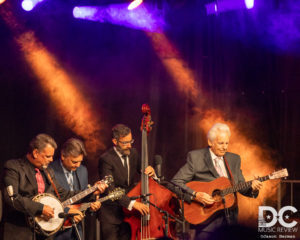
pixel 245 62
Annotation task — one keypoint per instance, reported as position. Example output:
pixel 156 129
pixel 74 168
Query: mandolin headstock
pixel 108 180
pixel 116 194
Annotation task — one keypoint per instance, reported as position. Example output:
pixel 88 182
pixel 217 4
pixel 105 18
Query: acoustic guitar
pixel 222 192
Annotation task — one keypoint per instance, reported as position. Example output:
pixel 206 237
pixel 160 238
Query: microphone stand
pixel 227 217
pixel 180 192
pixel 13 197
pixel 74 225
pixel 165 217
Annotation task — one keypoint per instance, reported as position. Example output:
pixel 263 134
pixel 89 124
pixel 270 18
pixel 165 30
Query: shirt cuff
pixel 130 206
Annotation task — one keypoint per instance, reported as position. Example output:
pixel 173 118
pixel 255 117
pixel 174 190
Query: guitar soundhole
pixel 217 195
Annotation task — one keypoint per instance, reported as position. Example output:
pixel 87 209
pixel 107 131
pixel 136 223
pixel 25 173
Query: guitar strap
pixel 231 176
pixel 230 173
pixel 52 183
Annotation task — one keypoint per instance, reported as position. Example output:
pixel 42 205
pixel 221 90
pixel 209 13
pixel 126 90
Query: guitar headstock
pixel 108 180
pixel 279 174
pixel 116 194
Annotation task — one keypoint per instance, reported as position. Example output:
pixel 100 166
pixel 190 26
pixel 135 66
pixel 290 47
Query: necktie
pixel 70 180
pixel 39 180
pixel 126 167
pixel 218 167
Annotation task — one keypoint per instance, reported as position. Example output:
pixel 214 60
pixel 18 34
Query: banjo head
pixel 55 223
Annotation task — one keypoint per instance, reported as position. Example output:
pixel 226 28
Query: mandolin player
pixel 208 164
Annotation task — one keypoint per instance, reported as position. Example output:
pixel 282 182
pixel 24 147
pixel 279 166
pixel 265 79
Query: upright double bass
pixel 149 226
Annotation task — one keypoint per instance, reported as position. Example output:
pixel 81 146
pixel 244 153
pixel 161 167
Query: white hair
pixel 215 129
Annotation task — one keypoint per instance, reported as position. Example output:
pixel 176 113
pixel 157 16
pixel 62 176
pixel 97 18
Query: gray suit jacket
pixel 199 167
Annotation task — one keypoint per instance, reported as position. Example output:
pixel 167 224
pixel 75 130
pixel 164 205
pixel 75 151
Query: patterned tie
pixel 218 167
pixel 70 180
pixel 39 180
pixel 126 167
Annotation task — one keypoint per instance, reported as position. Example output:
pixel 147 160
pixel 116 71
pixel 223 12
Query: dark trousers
pixel 111 231
pixel 69 234
pixel 206 232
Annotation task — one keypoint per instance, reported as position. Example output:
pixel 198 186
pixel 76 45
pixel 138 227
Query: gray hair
pixel 40 141
pixel 73 147
pixel 215 129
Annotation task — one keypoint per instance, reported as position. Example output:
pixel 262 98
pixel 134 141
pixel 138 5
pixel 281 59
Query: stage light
pixel 28 5
pixel 249 4
pixel 134 4
pixel 228 5
pixel 140 18
pixel 2 1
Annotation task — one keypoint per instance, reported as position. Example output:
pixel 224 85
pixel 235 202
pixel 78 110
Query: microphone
pixel 157 163
pixel 67 215
pixel 140 196
pixel 10 191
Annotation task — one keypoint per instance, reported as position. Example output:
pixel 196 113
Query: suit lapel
pixel 60 175
pixel 119 163
pixel 131 165
pixel 26 165
pixel 210 164
pixel 229 165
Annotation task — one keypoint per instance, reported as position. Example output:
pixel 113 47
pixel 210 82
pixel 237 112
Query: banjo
pixel 51 226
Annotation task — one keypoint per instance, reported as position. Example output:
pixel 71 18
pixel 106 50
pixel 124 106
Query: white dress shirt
pixel 221 163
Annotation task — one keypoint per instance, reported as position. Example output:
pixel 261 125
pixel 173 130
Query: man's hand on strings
pixel 47 213
pixel 204 198
pixel 77 218
pixel 101 186
pixel 150 171
pixel 141 207
pixel 95 205
pixel 256 184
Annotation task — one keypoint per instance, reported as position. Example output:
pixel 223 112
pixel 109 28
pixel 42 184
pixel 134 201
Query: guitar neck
pixel 79 196
pixel 242 185
pixel 85 206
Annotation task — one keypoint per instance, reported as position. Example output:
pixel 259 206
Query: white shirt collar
pixel 213 156
pixel 118 153
pixel 66 171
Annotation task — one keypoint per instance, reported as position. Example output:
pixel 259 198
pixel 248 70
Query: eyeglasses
pixel 127 142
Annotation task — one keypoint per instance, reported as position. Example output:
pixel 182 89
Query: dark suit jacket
pixel 199 167
pixel 111 164
pixel 81 176
pixel 20 174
